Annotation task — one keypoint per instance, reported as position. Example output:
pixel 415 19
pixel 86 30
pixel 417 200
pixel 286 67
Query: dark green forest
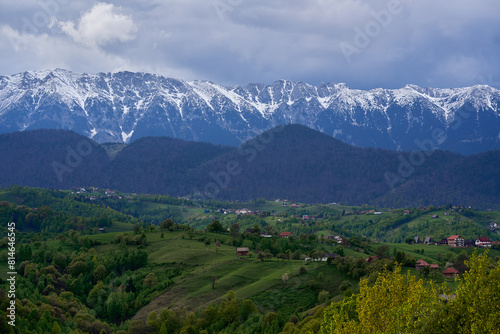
pixel 291 162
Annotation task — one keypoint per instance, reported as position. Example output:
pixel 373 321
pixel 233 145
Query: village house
pixel 435 266
pixel 427 240
pixel 332 255
pixel 241 251
pixel 469 243
pixel 483 242
pixel 421 264
pixel 450 272
pixel 456 241
pixel 370 259
pixel 285 235
pixel 338 239
pixel 243 212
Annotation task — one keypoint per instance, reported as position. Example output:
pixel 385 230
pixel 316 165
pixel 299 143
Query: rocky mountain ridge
pixel 125 106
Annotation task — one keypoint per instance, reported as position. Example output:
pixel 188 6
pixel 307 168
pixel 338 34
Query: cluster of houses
pixel 452 241
pixel 421 264
pixel 108 193
pixel 458 241
pixel 448 272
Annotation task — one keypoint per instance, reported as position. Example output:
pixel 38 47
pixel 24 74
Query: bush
pixel 345 285
pixel 323 296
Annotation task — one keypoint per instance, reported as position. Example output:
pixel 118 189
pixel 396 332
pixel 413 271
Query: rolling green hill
pixel 123 278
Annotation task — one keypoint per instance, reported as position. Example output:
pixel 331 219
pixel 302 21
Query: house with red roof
pixel 456 241
pixel 483 242
pixel 285 235
pixel 421 264
pixel 450 272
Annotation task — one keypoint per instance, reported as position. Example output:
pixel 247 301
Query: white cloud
pixel 445 43
pixel 19 52
pixel 101 25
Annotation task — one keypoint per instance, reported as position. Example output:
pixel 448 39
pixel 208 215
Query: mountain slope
pixel 292 162
pixel 158 164
pixel 55 159
pixel 305 165
pixel 125 106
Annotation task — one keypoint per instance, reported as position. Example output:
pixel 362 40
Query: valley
pixel 132 261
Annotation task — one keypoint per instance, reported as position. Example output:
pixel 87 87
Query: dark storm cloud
pixel 365 44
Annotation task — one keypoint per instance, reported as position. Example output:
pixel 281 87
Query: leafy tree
pixel 256 229
pixel 460 261
pixel 247 308
pixel 400 258
pixel 56 329
pixel 475 307
pixel 150 280
pixel 382 252
pixel 396 303
pixel 215 227
pixel 234 229
pixel 77 268
pixel 163 329
pixel 213 279
pixel 100 273
pixel 137 229
pixel 167 224
pixel 323 296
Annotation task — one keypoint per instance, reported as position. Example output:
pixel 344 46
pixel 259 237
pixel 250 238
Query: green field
pixel 245 275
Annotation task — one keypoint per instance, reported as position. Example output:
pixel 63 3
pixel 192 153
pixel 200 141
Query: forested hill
pixel 62 159
pixel 291 162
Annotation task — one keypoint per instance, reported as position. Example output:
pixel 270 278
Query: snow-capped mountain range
pixel 124 106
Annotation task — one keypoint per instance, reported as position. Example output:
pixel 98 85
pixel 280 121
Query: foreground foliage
pixel 399 303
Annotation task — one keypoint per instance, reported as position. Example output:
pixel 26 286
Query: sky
pixel 365 44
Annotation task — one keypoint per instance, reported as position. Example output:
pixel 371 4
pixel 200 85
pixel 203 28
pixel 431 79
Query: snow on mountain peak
pixel 125 105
